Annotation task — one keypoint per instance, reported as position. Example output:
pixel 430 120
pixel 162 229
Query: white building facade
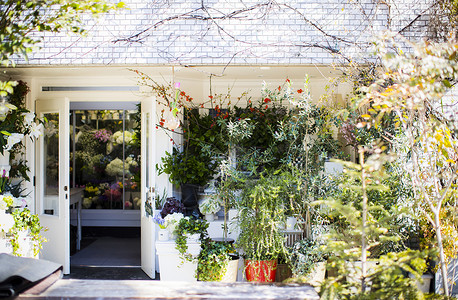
pixel 209 47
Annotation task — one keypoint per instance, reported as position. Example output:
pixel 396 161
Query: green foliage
pixel 24 220
pixel 388 279
pixel 15 122
pixel 188 226
pixel 213 260
pixel 186 168
pixel 261 213
pixel 304 255
pixel 361 224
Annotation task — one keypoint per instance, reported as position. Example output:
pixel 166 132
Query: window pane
pixel 106 152
pixel 51 165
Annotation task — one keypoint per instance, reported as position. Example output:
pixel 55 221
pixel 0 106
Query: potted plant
pixel 189 229
pixel 209 206
pixel 308 262
pixel 187 170
pixel 262 242
pixel 178 258
pixel 26 236
pixel 217 261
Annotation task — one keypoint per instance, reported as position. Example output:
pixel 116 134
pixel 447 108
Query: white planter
pixel 355 270
pixel 231 271
pixel 233 214
pixel 291 223
pixel 171 266
pixel 209 217
pixel 425 283
pixel 5 246
pixel 193 238
pixel 163 235
pixel 316 277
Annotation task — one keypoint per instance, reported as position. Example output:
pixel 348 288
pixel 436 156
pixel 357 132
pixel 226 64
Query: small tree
pixel 412 87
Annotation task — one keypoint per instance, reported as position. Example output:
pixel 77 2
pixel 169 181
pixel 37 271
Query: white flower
pixel 115 168
pixel 4 110
pixel 172 220
pixel 28 118
pixel 13 139
pixel 36 130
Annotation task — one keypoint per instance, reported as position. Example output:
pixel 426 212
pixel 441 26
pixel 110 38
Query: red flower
pixel 287 80
pixel 202 105
pixel 267 100
pixel 300 91
pixel 251 109
pixel 267 106
pixel 182 94
pixel 211 97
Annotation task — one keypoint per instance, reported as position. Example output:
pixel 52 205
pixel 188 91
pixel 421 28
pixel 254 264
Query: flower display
pixel 116 166
pixel 118 137
pixel 103 135
pixel 172 221
pixel 160 221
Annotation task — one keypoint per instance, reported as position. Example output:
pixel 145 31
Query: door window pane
pixel 51 165
pixel 105 152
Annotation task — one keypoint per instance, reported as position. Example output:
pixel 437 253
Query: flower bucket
pixel 260 270
pixel 163 235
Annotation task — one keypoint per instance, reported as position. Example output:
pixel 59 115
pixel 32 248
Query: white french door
pixel 52 180
pixel 148 169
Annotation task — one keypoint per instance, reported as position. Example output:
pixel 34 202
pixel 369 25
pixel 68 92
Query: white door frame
pixel 148 170
pixel 55 214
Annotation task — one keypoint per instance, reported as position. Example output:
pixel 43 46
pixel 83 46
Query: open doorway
pixel 105 181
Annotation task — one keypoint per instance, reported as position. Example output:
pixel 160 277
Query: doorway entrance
pixel 97 162
pixel 105 174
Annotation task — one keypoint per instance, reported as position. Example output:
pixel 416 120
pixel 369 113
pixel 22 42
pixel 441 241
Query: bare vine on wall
pixel 317 28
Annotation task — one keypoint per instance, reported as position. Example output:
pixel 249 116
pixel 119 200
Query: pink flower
pixel 177 85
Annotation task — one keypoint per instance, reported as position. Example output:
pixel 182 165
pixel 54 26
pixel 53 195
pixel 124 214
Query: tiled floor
pixel 109 252
pixel 108 258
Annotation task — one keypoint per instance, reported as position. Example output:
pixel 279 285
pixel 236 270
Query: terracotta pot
pixel 260 270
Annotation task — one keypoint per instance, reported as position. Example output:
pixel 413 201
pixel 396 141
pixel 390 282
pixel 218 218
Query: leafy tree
pixel 24 23
pixel 411 87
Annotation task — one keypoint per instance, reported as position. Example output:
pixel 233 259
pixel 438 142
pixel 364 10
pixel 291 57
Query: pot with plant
pixel 261 213
pixel 308 262
pixel 209 206
pixel 187 170
pixel 26 238
pixel 217 261
pixel 178 258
